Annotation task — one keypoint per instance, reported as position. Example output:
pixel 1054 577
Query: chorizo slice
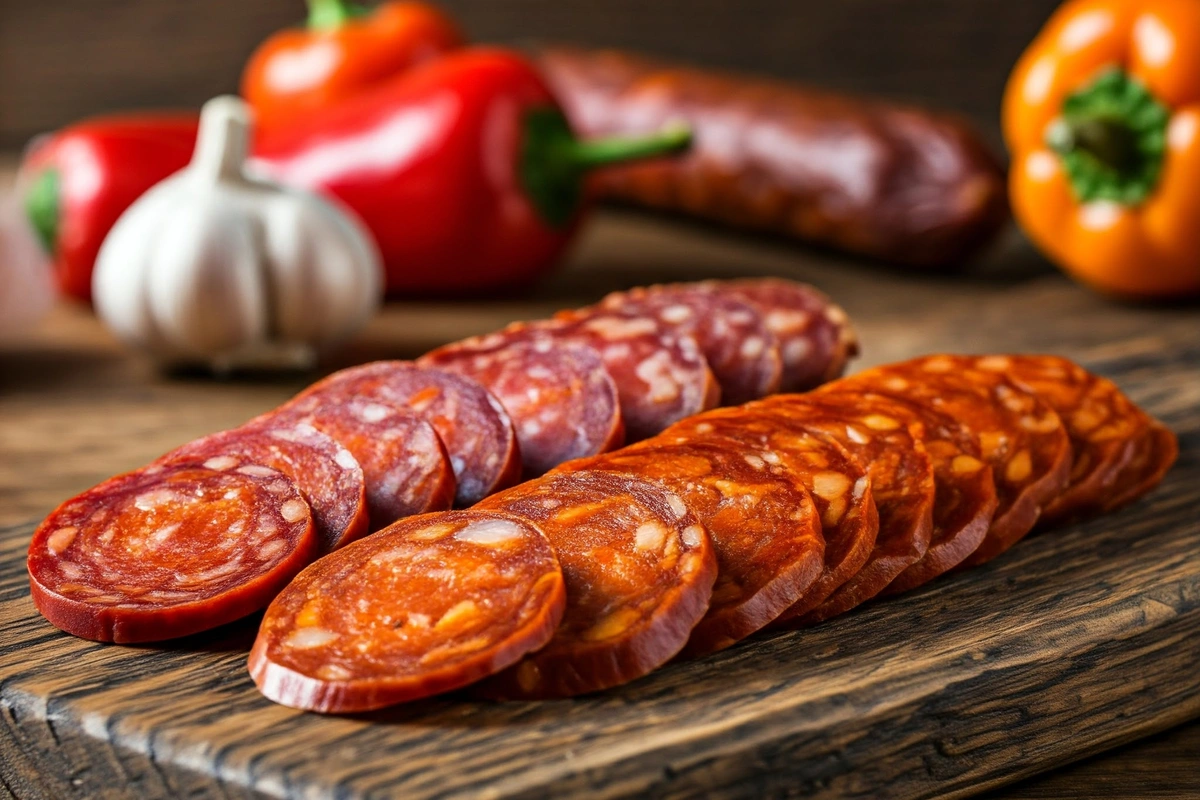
pixel 816 339
pixel 639 570
pixel 659 377
pixel 964 489
pixel 1154 451
pixel 1021 437
pixel 762 520
pixel 838 484
pixel 740 349
pixel 328 476
pixel 562 401
pixel 902 482
pixel 470 421
pixel 1101 422
pixel 170 550
pixel 404 463
pixel 427 605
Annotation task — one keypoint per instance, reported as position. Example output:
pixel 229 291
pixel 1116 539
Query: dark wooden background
pixel 63 59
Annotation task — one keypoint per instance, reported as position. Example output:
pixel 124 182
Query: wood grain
pixel 1162 767
pixel 1075 642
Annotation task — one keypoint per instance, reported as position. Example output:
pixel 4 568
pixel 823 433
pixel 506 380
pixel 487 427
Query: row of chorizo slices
pixel 779 513
pixel 213 530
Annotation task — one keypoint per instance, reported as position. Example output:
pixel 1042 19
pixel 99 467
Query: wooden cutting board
pixel 1077 641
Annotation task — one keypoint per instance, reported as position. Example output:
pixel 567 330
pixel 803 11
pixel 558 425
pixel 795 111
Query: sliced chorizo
pixel 328 476
pixel 426 605
pixel 659 377
pixel 639 570
pixel 816 339
pixel 964 490
pixel 902 482
pixel 762 520
pixel 740 349
pixel 836 481
pixel 471 422
pixel 170 550
pixel 1154 450
pixel 1101 422
pixel 562 401
pixel 404 463
pixel 1022 438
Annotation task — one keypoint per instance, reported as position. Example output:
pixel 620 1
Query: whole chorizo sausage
pixel 898 183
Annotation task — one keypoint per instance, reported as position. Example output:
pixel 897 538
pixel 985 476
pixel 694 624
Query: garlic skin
pixel 220 267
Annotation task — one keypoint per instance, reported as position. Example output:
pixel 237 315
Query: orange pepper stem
pixel 327 15
pixel 1111 139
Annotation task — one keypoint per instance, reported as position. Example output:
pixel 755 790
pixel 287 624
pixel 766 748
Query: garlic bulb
pixel 219 267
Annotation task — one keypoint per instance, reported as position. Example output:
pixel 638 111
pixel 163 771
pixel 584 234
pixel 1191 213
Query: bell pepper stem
pixel 41 207
pixel 587 155
pixel 324 15
pixel 1109 141
pixel 554 163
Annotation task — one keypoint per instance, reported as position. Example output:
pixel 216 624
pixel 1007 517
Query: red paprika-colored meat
pixel 169 550
pixel 763 523
pixel 562 400
pixel 328 476
pixel 427 605
pixel 473 426
pixel 639 570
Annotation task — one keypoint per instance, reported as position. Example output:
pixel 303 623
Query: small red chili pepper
pixel 465 169
pixel 82 178
pixel 344 49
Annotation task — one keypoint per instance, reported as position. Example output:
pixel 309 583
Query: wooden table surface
pixel 75 409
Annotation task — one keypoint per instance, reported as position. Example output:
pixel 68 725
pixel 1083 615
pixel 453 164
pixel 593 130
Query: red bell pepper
pixel 465 170
pixel 78 181
pixel 344 49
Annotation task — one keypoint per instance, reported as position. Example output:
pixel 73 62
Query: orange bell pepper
pixel 344 49
pixel 1102 119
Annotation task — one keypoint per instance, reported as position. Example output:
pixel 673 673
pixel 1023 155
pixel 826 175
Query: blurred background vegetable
pixel 1102 118
pixel 76 182
pixel 216 267
pixel 343 49
pixel 867 182
pixel 465 170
